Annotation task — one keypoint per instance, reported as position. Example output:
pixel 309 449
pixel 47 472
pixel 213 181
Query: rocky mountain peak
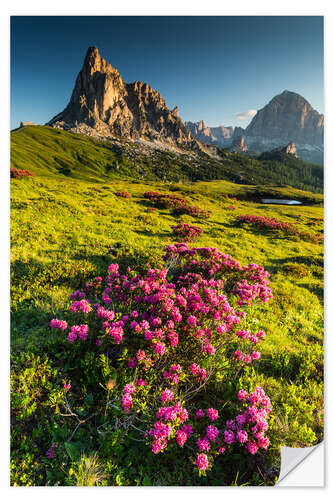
pixel 288 116
pixel 103 103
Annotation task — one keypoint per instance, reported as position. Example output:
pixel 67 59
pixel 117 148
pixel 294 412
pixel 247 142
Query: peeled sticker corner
pixel 302 466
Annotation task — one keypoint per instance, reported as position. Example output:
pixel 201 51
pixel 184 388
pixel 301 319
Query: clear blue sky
pixel 212 68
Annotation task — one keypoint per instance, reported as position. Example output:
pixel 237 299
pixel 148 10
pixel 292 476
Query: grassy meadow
pixel 65 231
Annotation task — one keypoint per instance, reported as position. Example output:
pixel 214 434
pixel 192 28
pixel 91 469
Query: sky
pixel 218 69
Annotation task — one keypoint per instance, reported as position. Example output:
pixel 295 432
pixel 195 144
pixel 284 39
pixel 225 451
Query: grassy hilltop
pixel 68 225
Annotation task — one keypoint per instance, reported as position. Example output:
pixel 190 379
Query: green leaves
pixel 74 450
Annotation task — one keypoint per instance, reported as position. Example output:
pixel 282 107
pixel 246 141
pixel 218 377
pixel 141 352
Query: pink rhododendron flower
pixel 212 414
pixel 160 348
pixel 167 395
pixel 229 437
pixel 181 437
pixel 188 429
pixel 58 323
pixel 203 444
pixel 202 461
pixel 252 447
pixel 67 386
pixel 242 436
pixel 212 433
pixel 242 395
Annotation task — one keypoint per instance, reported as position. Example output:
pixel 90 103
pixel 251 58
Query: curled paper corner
pixel 302 466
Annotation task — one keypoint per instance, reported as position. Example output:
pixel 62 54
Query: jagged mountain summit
pixel 221 136
pixel 287 117
pixel 103 104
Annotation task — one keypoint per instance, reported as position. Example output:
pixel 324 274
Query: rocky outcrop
pixel 239 145
pixel 289 149
pixel 101 101
pixel 27 124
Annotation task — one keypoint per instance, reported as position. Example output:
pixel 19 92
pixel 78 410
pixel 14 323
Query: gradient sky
pixel 212 68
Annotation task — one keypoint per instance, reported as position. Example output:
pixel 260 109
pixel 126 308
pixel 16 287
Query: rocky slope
pixel 102 104
pixel 287 117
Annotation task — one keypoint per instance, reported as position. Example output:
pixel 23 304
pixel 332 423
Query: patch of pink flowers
pixel 202 461
pixel 186 233
pixel 166 326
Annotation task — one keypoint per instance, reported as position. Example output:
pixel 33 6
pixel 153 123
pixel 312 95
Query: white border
pixel 131 7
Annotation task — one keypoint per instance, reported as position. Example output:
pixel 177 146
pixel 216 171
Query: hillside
pixel 49 151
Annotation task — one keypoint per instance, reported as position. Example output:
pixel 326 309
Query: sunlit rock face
pixel 102 101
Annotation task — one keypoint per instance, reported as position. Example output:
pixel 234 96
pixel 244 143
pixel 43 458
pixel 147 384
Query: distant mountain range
pixel 287 117
pixel 103 104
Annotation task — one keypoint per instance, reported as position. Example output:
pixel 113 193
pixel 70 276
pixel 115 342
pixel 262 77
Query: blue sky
pixel 212 68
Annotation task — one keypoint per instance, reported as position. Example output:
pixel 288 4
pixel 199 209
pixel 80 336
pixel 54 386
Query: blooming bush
pixel 123 194
pixel 276 224
pixel 16 173
pixel 169 331
pixel 185 232
pixel 179 205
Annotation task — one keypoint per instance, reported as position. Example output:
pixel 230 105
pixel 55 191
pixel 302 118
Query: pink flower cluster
pixel 127 399
pixel 186 233
pixel 76 331
pixel 250 282
pixel 276 224
pixel 17 173
pixel 161 431
pixel 247 429
pixel 123 194
pixel 58 323
pixel 166 325
pixel 268 223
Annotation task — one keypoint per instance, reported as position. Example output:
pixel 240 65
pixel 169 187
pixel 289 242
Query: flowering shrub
pixel 123 194
pixel 16 173
pixel 179 205
pixel 169 331
pixel 185 232
pixel 276 224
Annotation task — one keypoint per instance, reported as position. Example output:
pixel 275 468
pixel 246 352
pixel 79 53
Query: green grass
pixel 65 230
